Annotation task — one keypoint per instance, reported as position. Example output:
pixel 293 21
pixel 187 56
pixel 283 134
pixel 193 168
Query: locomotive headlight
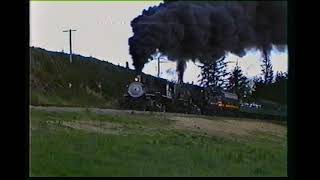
pixel 136 79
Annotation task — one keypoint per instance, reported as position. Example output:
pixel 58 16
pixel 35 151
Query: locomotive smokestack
pixel 181 66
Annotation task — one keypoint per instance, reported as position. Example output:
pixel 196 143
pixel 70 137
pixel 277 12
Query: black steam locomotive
pixel 158 94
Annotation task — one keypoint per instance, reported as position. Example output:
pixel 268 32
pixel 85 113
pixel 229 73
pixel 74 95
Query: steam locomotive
pixel 161 95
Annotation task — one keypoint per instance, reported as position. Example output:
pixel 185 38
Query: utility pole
pixel 70 42
pixel 159 58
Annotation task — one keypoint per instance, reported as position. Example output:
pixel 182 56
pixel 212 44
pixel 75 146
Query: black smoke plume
pixel 207 30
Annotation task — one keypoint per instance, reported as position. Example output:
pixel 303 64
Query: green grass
pixel 60 151
pixel 67 98
pixel 51 73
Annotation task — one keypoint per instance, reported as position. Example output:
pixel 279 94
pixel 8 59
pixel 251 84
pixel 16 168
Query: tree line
pixel 215 77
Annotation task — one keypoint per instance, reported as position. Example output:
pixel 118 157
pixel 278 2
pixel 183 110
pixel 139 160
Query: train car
pixel 228 101
pixel 264 109
pixel 221 103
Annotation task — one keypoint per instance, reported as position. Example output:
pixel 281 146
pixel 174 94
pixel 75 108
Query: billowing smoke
pixel 206 31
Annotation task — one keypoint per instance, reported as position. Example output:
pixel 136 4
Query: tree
pixel 275 91
pixel 238 83
pixel 213 74
pixel 280 88
pixel 281 76
pixel 258 87
pixel 257 81
pixel 267 71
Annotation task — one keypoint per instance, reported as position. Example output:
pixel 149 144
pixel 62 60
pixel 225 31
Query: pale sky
pixel 103 29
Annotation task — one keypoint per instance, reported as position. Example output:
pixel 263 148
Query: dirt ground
pixel 93 126
pixel 227 127
pixel 208 127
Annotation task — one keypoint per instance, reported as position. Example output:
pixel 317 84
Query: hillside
pixel 95 83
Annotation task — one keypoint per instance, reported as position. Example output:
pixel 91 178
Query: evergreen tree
pixel 267 71
pixel 258 85
pixel 275 91
pixel 238 83
pixel 257 80
pixel 280 76
pixel 213 74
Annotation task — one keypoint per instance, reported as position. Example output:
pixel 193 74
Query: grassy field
pixel 87 144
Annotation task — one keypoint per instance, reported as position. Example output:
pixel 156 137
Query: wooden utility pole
pixel 70 42
pixel 159 62
pixel 159 56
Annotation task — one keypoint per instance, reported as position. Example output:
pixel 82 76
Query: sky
pixel 103 29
